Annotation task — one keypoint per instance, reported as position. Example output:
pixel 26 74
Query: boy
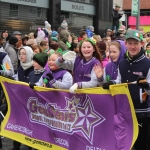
pixel 135 67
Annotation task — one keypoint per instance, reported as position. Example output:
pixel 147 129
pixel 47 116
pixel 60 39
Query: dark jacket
pixel 23 75
pixel 129 71
pixel 33 77
pixel 116 17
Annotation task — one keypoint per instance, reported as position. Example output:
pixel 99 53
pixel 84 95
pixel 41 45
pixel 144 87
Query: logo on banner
pixel 78 116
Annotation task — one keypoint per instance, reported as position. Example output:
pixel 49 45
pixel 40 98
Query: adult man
pixel 12 52
pixel 136 67
pixel 116 16
pixel 17 34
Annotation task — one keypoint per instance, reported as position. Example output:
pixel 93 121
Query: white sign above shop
pixel 77 7
pixel 34 3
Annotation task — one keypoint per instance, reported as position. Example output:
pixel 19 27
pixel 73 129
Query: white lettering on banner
pixel 77 7
pixel 61 141
pixel 19 128
pixel 93 148
pixel 31 1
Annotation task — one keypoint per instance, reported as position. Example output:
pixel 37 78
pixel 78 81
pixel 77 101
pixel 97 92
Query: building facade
pixel 28 15
pixel 144 14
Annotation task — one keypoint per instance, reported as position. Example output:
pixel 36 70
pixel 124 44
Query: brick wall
pixel 144 4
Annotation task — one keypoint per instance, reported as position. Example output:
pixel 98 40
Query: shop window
pixel 39 12
pixel 13 11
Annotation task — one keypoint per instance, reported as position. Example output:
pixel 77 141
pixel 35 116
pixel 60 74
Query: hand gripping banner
pixel 91 119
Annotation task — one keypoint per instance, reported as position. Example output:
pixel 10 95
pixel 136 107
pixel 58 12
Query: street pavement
pixel 8 144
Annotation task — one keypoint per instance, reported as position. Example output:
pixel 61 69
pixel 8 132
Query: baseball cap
pixel 17 33
pixel 117 6
pixel 134 34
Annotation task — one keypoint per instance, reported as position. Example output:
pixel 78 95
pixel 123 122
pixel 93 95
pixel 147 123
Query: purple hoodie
pixel 111 68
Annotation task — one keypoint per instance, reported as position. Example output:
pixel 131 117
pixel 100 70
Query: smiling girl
pixel 82 65
pixel 54 77
pixel 117 49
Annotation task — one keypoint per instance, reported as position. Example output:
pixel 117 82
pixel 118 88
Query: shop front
pixel 23 15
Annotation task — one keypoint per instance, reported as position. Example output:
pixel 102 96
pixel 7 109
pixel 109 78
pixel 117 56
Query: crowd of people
pixel 62 60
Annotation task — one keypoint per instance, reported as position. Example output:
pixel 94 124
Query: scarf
pixel 39 71
pixel 26 66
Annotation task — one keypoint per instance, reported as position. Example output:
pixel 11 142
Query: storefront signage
pixel 31 1
pixel 34 3
pixel 77 7
pixel 134 10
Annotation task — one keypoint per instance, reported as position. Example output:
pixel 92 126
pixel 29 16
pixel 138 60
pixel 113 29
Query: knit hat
pixel 41 59
pixel 134 34
pixel 64 24
pixel 13 40
pixel 54 39
pixel 54 34
pixel 90 28
pixel 47 25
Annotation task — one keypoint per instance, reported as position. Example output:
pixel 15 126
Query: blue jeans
pixel 115 28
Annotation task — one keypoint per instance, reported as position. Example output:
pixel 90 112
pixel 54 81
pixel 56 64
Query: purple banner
pixel 72 121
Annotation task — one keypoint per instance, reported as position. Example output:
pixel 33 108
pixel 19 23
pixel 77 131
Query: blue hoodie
pixel 111 69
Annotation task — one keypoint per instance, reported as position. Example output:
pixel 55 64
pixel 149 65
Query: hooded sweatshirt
pixel 26 68
pixel 63 39
pixel 111 69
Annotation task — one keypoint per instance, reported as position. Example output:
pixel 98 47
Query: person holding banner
pixel 117 49
pixel 54 77
pixel 82 66
pixel 134 69
pixel 24 70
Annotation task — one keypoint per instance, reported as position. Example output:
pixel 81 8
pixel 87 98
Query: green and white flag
pixel 134 7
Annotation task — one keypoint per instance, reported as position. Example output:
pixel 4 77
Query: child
pixel 82 66
pixel 55 77
pixel 83 36
pixel 102 47
pixel 117 51
pixel 39 62
pixel 25 68
pixel 75 47
pixel 147 52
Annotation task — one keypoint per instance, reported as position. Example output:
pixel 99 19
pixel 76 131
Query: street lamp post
pixel 138 16
pixel 136 12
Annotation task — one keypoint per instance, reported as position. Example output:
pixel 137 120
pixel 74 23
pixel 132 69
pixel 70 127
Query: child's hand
pixel 98 71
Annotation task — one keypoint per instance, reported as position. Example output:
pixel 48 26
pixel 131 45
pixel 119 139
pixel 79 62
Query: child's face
pixel 51 62
pixel 87 50
pixel 84 36
pixel 108 40
pixel 133 46
pixel 22 55
pixel 76 49
pixel 75 40
pixel 36 66
pixel 114 53
pixel 148 48
pixel 36 51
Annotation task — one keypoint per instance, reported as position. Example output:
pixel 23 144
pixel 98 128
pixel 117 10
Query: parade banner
pixel 91 119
